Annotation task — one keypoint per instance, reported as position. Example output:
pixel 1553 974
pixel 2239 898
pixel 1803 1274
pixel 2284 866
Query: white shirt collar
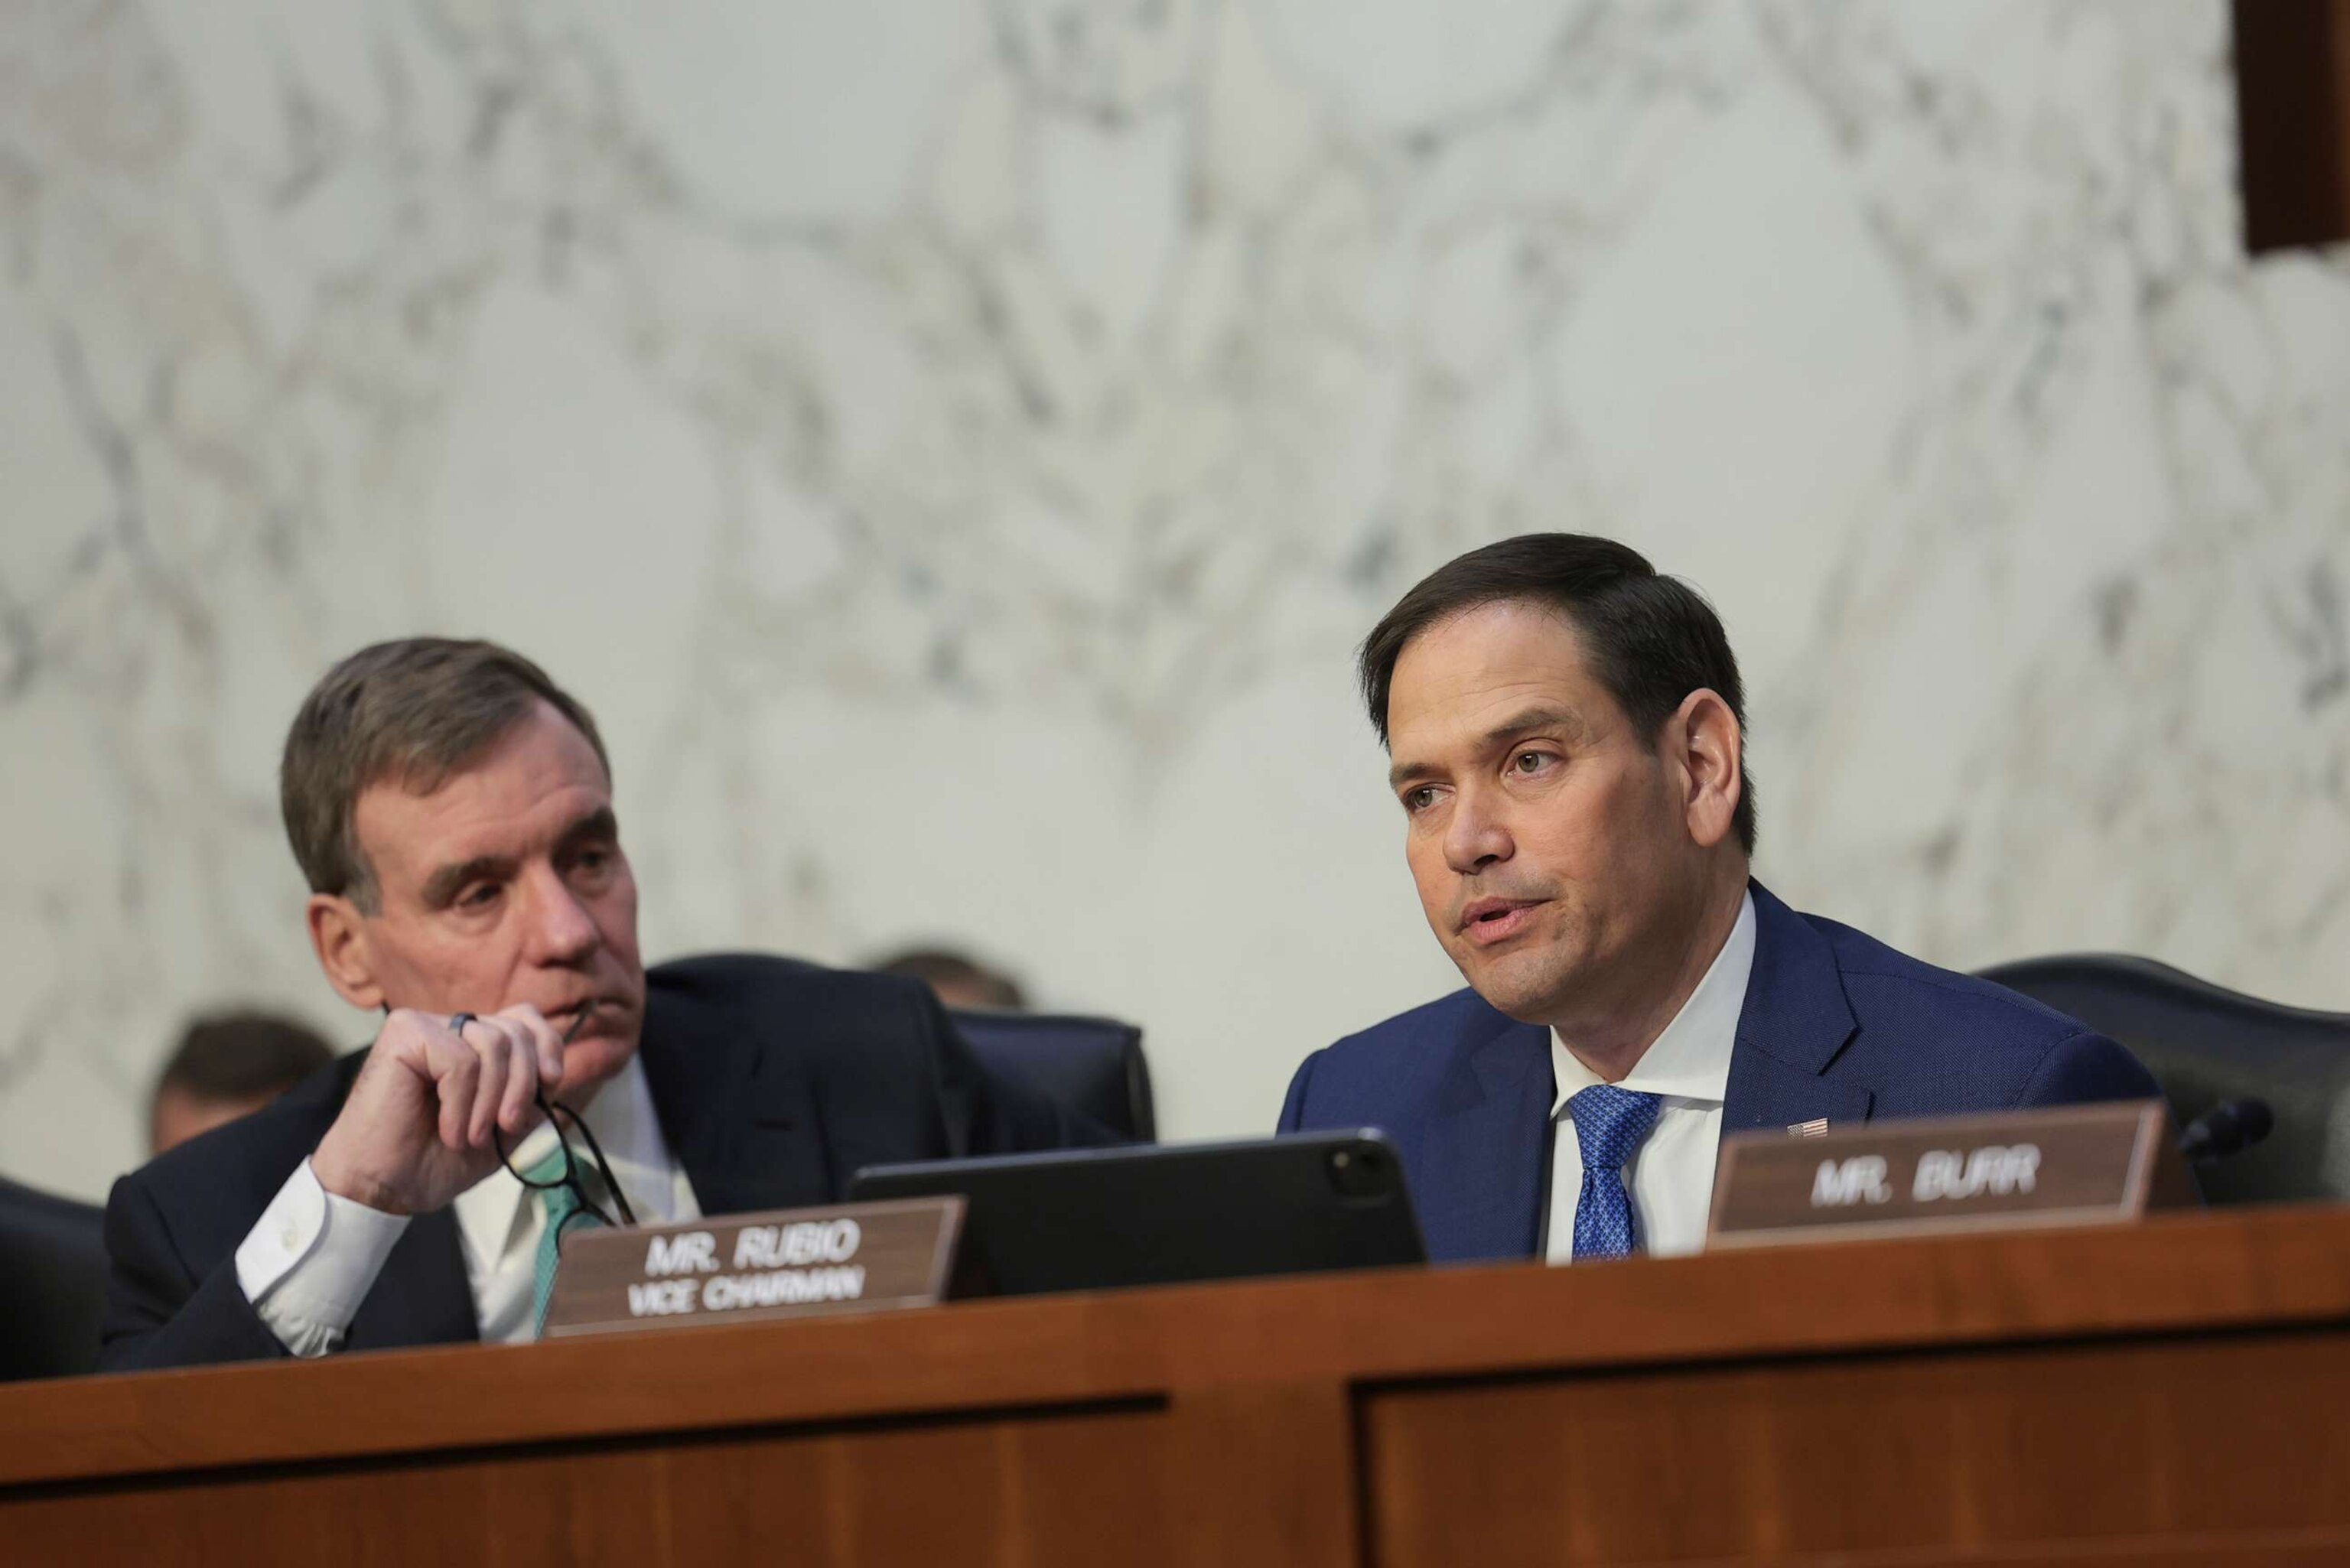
pixel 1690 1060
pixel 627 1127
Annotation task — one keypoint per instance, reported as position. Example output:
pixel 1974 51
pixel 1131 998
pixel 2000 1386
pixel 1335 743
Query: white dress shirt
pixel 1670 1179
pixel 313 1256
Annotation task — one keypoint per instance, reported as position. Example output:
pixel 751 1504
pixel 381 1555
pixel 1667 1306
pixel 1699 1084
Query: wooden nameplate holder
pixel 2069 1164
pixel 796 1263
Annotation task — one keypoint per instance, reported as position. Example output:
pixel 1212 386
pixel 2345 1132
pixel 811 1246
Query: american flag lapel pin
pixel 1816 1127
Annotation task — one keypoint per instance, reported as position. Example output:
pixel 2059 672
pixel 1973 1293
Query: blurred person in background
pixel 957 980
pixel 229 1064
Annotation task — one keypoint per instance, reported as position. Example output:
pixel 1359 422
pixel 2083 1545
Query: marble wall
pixel 956 446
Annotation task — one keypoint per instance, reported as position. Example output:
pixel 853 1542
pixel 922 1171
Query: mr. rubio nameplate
pixel 2071 1164
pixel 794 1262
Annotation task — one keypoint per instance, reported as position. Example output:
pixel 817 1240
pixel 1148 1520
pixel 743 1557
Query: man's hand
pixel 415 1131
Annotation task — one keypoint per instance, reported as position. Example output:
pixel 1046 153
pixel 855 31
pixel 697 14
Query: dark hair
pixel 1651 639
pixel 417 710
pixel 243 1056
pixel 935 967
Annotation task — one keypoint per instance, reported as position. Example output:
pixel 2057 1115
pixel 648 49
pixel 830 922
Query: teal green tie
pixel 561 1205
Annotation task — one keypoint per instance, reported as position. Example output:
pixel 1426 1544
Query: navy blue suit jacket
pixel 774 1081
pixel 1836 1024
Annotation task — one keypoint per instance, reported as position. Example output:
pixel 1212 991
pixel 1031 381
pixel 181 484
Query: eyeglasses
pixel 565 1121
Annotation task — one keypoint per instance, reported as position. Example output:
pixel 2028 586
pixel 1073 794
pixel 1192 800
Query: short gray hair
pixel 417 710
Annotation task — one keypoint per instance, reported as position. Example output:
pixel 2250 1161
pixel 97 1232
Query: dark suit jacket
pixel 1836 1024
pixel 775 1081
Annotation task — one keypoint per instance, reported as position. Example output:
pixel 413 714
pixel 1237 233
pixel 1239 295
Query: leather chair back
pixel 1093 1064
pixel 52 1283
pixel 2204 1044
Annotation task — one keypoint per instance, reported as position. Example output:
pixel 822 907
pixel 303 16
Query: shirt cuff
pixel 311 1259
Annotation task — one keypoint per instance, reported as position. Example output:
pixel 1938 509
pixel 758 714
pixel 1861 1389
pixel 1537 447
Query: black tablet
pixel 1082 1220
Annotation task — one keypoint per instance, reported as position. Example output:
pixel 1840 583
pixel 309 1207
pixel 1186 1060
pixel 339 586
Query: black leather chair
pixel 52 1283
pixel 2204 1044
pixel 1094 1065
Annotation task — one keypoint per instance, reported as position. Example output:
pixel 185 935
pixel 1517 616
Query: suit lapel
pixel 745 1129
pixel 1794 1024
pixel 1480 1172
pixel 693 1065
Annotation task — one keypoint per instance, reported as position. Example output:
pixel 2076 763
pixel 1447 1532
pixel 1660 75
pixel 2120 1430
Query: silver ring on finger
pixel 457 1023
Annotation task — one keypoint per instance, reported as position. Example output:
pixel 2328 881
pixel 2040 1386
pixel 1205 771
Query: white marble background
pixel 955 447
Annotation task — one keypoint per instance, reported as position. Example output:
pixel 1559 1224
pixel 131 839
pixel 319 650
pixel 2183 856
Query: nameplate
pixel 792 1262
pixel 2069 1164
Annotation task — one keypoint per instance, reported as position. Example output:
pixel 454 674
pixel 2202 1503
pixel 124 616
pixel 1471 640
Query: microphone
pixel 2229 1128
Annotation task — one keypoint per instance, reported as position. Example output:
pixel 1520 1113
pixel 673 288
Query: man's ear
pixel 1711 751
pixel 339 936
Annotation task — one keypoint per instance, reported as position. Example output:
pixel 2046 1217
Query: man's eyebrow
pixel 1525 722
pixel 598 824
pixel 441 890
pixel 1534 719
pixel 1405 772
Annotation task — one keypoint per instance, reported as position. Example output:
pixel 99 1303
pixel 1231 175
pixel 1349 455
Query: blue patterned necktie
pixel 1610 1123
pixel 561 1206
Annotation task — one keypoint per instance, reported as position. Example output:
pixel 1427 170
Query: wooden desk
pixel 2173 1393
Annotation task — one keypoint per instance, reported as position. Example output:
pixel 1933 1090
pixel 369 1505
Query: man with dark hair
pixel 226 1066
pixel 1567 731
pixel 452 810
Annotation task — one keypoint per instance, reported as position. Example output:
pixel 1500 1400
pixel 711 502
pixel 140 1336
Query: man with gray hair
pixel 451 808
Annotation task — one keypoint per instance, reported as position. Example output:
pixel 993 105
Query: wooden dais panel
pixel 2116 1452
pixel 1028 1492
